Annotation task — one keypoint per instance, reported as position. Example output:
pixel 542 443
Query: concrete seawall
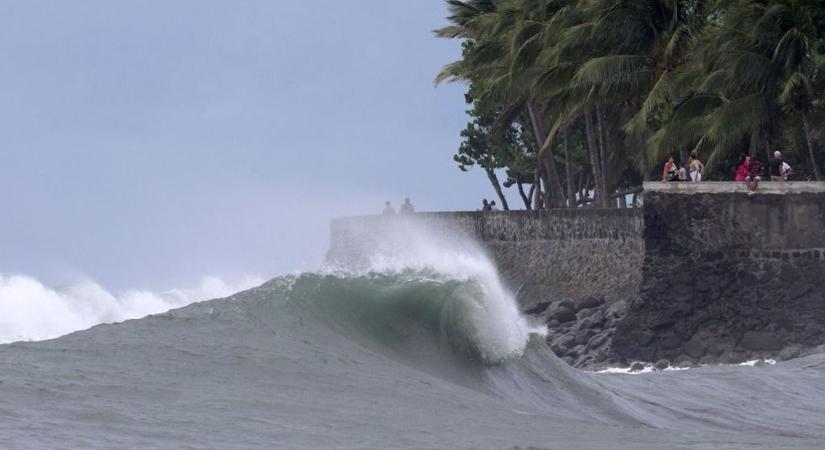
pixel 703 272
pixel 728 275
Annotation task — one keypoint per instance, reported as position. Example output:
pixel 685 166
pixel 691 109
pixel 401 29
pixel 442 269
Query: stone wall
pixel 728 275
pixel 542 255
pixel 705 272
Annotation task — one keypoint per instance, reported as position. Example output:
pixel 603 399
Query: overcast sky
pixel 150 143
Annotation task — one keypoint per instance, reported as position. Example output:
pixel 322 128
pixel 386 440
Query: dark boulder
pixel 590 302
pixel 563 314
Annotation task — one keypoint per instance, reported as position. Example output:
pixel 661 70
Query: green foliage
pixel 720 77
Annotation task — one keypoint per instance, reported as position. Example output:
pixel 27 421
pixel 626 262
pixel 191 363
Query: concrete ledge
pixel 731 187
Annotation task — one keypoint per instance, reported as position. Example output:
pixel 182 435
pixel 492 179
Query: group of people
pixel 488 206
pixel 406 208
pixel 693 173
pixel 748 169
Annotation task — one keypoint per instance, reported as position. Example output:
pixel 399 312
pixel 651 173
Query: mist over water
pixel 31 311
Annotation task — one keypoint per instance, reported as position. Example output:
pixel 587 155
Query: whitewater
pixel 421 347
pixel 32 311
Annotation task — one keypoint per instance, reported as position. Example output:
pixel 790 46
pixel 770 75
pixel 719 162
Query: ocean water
pixel 424 354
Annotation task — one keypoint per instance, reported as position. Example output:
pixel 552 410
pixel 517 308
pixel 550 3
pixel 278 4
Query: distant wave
pixel 31 311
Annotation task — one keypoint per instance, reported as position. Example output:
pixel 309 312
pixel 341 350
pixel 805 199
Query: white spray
pixel 401 244
pixel 31 311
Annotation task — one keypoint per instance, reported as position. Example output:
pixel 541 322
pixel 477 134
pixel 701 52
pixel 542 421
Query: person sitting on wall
pixel 683 176
pixel 776 165
pixel 670 172
pixel 407 207
pixel 754 174
pixel 388 209
pixel 493 206
pixel 742 169
pixel 485 205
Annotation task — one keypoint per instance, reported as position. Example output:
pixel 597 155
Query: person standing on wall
pixel 407 207
pixel 388 209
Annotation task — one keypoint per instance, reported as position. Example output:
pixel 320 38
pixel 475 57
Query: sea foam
pixel 31 311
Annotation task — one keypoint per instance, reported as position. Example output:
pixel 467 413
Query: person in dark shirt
pixel 485 205
pixel 777 167
pixel 407 207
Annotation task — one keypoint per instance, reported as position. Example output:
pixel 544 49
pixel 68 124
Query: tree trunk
pixel 568 171
pixel 604 150
pixel 530 196
pixel 553 197
pixel 524 197
pixel 537 198
pixel 491 174
pixel 811 151
pixel 643 158
pixel 594 160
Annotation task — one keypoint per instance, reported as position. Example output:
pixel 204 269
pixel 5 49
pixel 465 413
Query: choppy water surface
pixel 427 352
pixel 397 360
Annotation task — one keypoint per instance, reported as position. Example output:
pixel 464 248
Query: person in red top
pixel 743 169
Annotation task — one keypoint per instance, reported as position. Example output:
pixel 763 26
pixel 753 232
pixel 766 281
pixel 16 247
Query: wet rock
pixel 662 364
pixel 538 309
pixel 563 315
pixel 695 348
pixel 583 336
pixel 563 344
pixel 790 352
pixel 669 341
pixel 754 340
pixel 598 340
pixel 645 338
pixel 597 320
pixel 637 367
pixel 590 302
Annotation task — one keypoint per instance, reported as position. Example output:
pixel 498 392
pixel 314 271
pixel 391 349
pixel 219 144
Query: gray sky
pixel 149 143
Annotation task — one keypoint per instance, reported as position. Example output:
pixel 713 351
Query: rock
pixel 695 348
pixel 566 304
pixel 790 352
pixel 585 313
pixel 761 363
pixel 597 340
pixel 563 315
pixel 538 309
pixel 553 324
pixel 590 302
pixel 684 363
pixel 597 320
pixel 662 364
pixel 759 341
pixel 637 367
pixel 583 336
pixel 575 352
pixel 645 338
pixel 564 343
pixel 669 341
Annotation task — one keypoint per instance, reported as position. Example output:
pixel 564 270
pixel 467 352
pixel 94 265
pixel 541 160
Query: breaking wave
pixel 31 311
